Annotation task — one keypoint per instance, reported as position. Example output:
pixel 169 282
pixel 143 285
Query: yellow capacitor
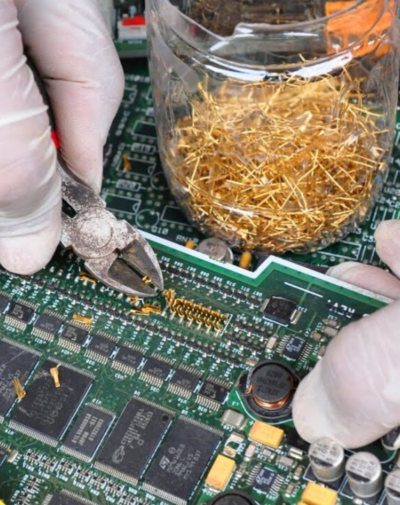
pixel 190 244
pixel 221 473
pixel 245 260
pixel 265 434
pixel 314 494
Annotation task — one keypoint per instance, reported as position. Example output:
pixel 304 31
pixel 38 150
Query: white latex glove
pixel 73 52
pixel 353 394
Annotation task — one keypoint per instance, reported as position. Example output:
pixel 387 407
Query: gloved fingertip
pixel 27 254
pixel 340 271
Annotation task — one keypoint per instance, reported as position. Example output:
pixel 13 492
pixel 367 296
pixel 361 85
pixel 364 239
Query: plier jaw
pixel 114 251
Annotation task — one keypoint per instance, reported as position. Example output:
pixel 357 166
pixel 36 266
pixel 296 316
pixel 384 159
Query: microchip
pixel 88 432
pixel 134 440
pixel 265 480
pixel 100 348
pixel 16 362
pixel 185 379
pixel 19 315
pixel 46 411
pixel 128 359
pixel 294 348
pixel 280 310
pixel 47 326
pixel 213 392
pixel 73 337
pixel 64 499
pixel 157 368
pixel 182 460
pixel 4 301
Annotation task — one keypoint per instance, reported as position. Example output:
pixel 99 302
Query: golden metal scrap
pixel 278 166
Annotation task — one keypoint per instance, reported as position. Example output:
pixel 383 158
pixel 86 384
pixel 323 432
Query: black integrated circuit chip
pixel 134 440
pixel 265 480
pixel 280 310
pixel 157 368
pixel 19 315
pixel 129 357
pixel 64 499
pixel 185 379
pixel 102 346
pixel 182 461
pixel 294 347
pixel 47 411
pixel 213 391
pixel 15 363
pixel 88 432
pixel 47 326
pixel 75 335
pixel 4 301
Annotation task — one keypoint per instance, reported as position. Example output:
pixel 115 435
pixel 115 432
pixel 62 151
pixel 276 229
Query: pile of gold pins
pixel 278 166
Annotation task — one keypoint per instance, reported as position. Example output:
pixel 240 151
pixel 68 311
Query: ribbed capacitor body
pixel 392 487
pixel 364 473
pixel 327 459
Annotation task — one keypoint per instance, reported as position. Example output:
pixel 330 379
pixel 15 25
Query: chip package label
pixel 128 359
pixel 19 315
pixel 294 347
pixel 280 310
pixel 47 326
pixel 100 348
pixel 182 460
pixel 16 362
pixel 73 337
pixel 88 432
pixel 46 411
pixel 134 440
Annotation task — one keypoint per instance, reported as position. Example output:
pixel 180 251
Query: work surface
pixel 153 404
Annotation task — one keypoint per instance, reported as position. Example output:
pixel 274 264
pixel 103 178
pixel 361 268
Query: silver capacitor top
pixel 216 249
pixel 327 459
pixel 364 472
pixel 392 487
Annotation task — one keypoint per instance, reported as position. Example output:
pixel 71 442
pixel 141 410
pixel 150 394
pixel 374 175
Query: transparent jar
pixel 275 119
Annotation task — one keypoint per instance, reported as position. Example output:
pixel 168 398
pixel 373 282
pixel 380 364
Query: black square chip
pixel 74 335
pixel 280 310
pixel 182 460
pixel 102 346
pixel 213 391
pixel 157 368
pixel 88 432
pixel 19 315
pixel 294 348
pixel 134 440
pixel 129 358
pixel 47 326
pixel 185 379
pixel 15 363
pixel 47 410
pixel 265 480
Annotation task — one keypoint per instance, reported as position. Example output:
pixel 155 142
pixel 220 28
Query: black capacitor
pixel 232 498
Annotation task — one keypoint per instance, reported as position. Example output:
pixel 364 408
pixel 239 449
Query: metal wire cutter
pixel 112 249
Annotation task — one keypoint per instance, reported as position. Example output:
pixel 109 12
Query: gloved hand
pixel 72 50
pixel 353 394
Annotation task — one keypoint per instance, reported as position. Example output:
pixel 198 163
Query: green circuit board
pixel 140 195
pixel 135 402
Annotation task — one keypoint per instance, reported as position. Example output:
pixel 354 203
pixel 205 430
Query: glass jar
pixel 275 119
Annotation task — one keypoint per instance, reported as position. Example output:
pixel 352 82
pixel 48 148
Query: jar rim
pixel 306 23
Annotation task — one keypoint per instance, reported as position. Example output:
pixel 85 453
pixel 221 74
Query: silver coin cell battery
pixel 327 459
pixel 216 249
pixel 364 473
pixel 392 487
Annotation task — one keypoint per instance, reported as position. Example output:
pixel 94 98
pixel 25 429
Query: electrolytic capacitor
pixel 392 487
pixel 327 459
pixel 364 472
